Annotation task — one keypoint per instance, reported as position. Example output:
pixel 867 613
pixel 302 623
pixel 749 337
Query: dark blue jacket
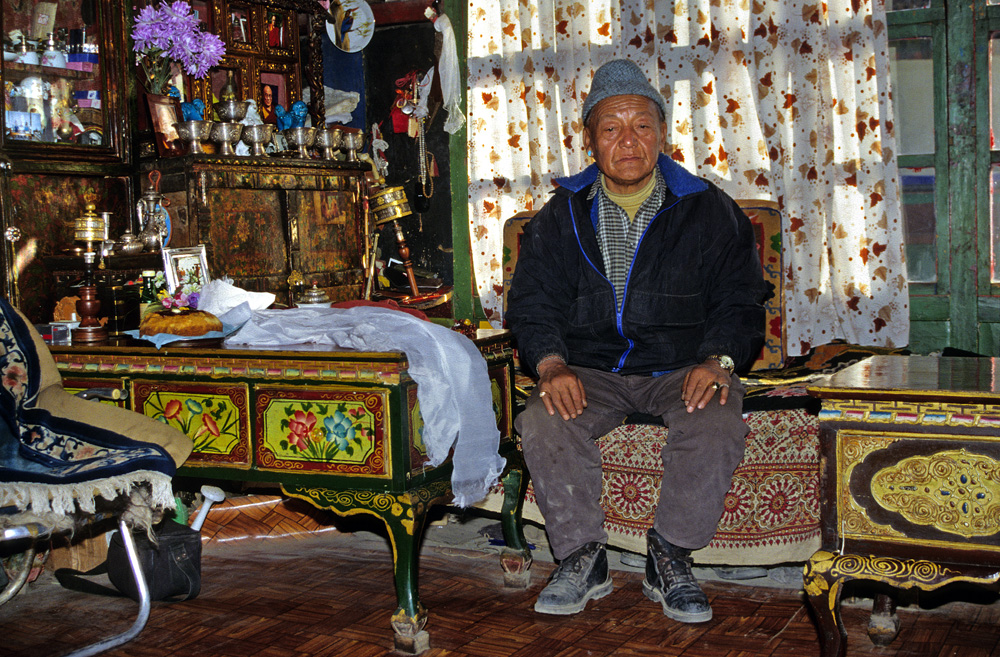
pixel 694 288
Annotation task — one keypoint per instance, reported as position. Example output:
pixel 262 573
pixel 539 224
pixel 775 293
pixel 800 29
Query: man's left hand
pixel 702 382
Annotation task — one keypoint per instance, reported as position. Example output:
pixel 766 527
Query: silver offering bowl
pixel 328 140
pixel 255 136
pixel 301 137
pixel 353 140
pixel 193 133
pixel 225 135
pixel 232 111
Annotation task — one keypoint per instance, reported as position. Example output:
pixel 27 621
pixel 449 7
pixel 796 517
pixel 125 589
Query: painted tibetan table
pixel 910 484
pixel 263 415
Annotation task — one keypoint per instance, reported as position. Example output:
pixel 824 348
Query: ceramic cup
pixel 28 57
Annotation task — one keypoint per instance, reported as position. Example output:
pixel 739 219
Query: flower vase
pixel 164 113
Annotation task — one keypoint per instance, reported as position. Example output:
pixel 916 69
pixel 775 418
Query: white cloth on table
pixel 453 386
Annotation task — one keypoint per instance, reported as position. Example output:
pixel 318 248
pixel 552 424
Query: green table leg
pixel 404 515
pixel 515 559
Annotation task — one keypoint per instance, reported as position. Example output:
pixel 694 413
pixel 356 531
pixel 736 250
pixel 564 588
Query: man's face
pixel 626 134
pixel 268 96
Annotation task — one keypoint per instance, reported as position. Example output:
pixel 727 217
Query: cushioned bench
pixel 772 510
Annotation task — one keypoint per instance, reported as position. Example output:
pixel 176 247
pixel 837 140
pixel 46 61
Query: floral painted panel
pixel 776 100
pixel 214 416
pixel 336 430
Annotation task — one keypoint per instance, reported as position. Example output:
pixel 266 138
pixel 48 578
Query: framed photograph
pixel 240 27
pixel 165 111
pixel 277 84
pixel 280 32
pixel 188 265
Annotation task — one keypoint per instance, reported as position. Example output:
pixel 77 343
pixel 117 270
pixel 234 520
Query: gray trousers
pixel 702 451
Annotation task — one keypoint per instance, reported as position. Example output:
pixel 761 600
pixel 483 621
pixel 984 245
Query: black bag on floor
pixel 172 566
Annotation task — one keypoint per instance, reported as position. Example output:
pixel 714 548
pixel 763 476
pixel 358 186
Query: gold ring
pixel 715 386
pixel 542 393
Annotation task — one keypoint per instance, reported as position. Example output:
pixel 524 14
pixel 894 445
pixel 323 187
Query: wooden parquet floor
pixel 332 596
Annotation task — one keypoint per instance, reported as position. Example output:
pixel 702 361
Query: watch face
pixel 725 362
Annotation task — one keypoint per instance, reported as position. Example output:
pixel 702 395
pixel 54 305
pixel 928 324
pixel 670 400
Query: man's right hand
pixel 560 390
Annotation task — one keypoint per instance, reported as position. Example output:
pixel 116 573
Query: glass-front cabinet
pixel 64 82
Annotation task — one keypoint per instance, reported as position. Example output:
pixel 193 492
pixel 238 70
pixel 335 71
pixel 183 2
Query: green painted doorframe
pixel 465 300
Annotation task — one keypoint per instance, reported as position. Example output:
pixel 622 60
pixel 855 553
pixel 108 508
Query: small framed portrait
pixel 165 112
pixel 186 266
pixel 273 91
pixel 277 84
pixel 241 27
pixel 280 33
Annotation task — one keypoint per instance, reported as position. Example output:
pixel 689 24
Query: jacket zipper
pixel 628 277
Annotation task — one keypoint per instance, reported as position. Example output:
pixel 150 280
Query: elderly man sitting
pixel 638 289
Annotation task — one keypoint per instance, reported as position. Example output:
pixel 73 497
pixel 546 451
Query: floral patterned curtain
pixel 770 99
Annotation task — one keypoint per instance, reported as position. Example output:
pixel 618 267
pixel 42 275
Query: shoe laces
pixel 675 570
pixel 573 566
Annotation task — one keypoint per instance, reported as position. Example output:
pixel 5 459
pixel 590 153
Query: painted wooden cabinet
pixel 271 223
pixel 909 484
pixel 339 429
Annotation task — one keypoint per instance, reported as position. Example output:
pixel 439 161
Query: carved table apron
pixel 910 482
pixel 339 429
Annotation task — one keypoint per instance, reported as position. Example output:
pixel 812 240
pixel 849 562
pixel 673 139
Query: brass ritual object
pixel 301 138
pixel 353 140
pixel 256 136
pixel 329 140
pixel 314 297
pixel 225 135
pixel 89 228
pixel 193 133
pixel 388 204
pixel 232 111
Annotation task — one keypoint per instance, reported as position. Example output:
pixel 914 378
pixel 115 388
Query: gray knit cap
pixel 620 77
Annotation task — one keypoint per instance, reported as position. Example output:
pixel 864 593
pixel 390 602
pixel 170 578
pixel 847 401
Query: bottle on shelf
pixel 147 295
pixel 228 91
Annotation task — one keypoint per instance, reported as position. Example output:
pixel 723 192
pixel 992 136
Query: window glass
pixel 912 81
pixel 53 84
pixel 897 5
pixel 995 225
pixel 919 224
pixel 994 64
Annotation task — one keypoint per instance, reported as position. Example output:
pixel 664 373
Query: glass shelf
pixel 63 103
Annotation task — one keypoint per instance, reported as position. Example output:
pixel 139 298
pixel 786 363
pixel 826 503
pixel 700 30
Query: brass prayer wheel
pixel 388 204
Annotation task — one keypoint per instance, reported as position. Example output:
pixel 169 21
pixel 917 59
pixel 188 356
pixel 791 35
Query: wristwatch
pixel 725 362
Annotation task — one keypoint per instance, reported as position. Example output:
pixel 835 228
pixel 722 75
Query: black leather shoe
pixel 670 582
pixel 579 578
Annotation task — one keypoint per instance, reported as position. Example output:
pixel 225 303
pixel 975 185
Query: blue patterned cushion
pixel 40 447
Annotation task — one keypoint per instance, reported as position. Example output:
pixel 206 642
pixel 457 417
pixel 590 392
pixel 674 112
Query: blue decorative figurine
pixel 284 118
pixel 193 111
pixel 300 112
